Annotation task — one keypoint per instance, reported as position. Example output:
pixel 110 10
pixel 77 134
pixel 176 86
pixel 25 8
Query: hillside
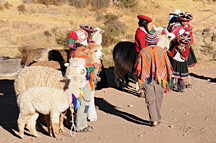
pixel 35 25
pixel 187 117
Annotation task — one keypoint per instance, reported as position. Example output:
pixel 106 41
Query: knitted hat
pixel 152 38
pixel 146 18
pixel 185 16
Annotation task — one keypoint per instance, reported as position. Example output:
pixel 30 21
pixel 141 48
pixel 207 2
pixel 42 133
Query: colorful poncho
pixel 153 64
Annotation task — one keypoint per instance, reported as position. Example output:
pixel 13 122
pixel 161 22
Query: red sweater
pixel 178 27
pixel 140 38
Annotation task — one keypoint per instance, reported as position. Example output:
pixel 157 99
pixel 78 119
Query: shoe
pixel 155 123
pixel 86 129
pixel 188 86
pixel 141 94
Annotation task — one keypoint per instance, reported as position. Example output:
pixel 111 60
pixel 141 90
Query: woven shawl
pixel 153 64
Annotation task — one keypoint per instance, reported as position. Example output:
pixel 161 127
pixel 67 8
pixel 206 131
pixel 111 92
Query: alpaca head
pixel 76 73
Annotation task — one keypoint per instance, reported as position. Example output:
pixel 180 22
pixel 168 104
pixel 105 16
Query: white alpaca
pixel 50 101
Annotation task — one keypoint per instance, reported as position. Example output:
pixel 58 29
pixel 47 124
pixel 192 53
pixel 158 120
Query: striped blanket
pixel 153 64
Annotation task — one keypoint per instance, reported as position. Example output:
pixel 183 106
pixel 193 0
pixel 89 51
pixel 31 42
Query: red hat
pixel 146 18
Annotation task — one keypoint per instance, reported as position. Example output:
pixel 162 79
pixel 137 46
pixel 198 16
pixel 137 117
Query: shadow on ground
pixel 210 79
pixel 108 80
pixel 8 106
pixel 106 107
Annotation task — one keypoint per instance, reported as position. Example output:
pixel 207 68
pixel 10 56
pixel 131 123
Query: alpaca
pixel 50 101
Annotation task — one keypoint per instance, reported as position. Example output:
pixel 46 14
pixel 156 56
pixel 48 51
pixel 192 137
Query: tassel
pixel 91 81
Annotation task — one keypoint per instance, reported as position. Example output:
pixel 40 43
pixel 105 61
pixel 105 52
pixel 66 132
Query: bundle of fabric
pixel 147 62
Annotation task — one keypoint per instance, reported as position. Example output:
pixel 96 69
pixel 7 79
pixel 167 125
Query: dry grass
pixel 46 2
pixel 22 8
pixel 126 3
pixel 38 26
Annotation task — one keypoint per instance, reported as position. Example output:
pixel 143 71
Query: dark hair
pixel 144 24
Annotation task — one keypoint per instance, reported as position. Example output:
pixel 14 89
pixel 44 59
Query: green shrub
pixel 46 2
pixel 126 3
pixel 113 30
pixel 79 3
pixel 94 3
pixel 7 5
pixel 106 18
pixel 100 3
pixel 21 8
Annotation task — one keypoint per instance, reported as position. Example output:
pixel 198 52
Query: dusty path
pixel 188 117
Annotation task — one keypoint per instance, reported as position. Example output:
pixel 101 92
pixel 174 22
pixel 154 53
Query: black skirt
pixel 180 69
pixel 191 58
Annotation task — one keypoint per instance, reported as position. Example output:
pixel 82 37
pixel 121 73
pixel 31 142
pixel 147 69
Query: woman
pixel 178 53
pixel 184 19
pixel 141 32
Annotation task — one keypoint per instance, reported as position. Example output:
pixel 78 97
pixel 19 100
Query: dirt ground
pixel 187 117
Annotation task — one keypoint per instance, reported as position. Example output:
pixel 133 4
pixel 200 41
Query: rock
pixel 171 126
pixel 130 105
pixel 187 113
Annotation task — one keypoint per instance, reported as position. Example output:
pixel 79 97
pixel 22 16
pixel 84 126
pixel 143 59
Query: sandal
pixel 86 129
pixel 188 85
pixel 90 127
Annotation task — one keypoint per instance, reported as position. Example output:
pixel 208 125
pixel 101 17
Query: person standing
pixel 154 72
pixel 178 53
pixel 141 32
pixel 183 27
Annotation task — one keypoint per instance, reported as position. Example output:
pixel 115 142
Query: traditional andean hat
pixel 185 17
pixel 87 28
pixel 146 18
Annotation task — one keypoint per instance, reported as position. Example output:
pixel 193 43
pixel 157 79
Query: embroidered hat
pixel 87 28
pixel 185 17
pixel 146 18
pixel 152 38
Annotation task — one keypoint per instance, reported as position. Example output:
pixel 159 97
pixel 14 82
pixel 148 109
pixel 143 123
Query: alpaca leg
pixel 32 122
pixel 48 122
pixel 55 116
pixel 22 121
pixel 61 122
